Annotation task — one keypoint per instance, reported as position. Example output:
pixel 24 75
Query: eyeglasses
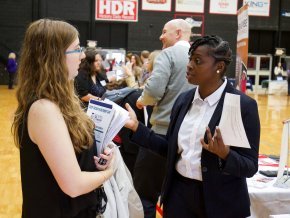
pixel 78 50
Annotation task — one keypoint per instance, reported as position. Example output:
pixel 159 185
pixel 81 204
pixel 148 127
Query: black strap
pixel 102 200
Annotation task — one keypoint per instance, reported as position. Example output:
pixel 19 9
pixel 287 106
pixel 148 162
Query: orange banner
pixel 242 48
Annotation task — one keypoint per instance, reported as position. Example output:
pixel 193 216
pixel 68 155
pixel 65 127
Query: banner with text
pixel 258 7
pixel 242 48
pixel 191 6
pixel 223 6
pixel 117 10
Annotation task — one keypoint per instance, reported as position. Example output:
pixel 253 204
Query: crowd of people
pixel 182 157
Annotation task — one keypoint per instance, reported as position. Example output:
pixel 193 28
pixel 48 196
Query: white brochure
pixel 231 124
pixel 109 118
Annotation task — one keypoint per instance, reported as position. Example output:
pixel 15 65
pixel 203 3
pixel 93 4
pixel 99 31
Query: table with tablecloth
pixel 266 199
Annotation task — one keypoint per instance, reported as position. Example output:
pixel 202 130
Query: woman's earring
pixel 218 71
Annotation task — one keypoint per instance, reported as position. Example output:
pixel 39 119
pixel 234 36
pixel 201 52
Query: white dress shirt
pixel 192 129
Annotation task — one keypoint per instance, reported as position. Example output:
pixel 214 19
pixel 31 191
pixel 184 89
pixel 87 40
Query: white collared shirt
pixel 192 129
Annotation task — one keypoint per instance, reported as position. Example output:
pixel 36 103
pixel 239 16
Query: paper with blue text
pixel 109 118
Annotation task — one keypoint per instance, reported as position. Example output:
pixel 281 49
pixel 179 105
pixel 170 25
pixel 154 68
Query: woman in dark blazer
pixel 204 177
pixel 90 83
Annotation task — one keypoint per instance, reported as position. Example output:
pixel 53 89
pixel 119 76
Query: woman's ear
pixel 220 67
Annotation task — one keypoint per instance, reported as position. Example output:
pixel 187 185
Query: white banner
pixel 243 25
pixel 156 5
pixel 258 7
pixel 223 6
pixel 194 6
pixel 117 10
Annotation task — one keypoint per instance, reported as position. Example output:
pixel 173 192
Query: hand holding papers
pixel 109 118
pixel 231 124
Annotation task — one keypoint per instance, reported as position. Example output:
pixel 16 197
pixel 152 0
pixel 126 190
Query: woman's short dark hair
pixel 220 49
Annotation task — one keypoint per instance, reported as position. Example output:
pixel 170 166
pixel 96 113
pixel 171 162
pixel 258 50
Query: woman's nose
pixel 189 66
pixel 83 55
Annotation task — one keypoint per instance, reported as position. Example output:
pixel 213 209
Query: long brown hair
pixel 43 73
pixel 87 63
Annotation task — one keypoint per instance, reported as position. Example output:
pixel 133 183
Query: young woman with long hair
pixel 59 170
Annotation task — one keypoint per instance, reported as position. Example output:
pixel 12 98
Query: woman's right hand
pixel 128 70
pixel 132 123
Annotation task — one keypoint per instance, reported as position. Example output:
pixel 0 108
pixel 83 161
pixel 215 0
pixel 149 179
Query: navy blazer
pixel 224 182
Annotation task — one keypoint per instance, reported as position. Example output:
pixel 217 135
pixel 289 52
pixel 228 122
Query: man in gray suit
pixel 167 81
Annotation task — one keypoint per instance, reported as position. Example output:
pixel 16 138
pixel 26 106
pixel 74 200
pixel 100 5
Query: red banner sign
pixel 117 10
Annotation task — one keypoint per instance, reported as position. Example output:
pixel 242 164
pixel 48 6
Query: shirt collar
pixel 214 97
pixel 183 43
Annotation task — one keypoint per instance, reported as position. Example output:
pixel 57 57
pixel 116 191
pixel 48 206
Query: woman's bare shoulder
pixel 44 106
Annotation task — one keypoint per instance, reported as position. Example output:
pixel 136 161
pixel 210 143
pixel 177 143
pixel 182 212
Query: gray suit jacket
pixel 167 81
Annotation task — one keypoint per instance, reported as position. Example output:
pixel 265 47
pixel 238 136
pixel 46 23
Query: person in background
pixel 148 68
pixel 133 70
pixel 60 174
pixel 11 69
pixel 278 70
pixel 162 88
pixel 288 79
pixel 144 58
pixel 128 58
pixel 130 152
pixel 204 176
pixel 91 81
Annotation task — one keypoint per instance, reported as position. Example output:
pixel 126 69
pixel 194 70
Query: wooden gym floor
pixel 273 109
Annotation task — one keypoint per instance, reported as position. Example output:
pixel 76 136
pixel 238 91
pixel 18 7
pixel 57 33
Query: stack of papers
pixel 109 118
pixel 231 124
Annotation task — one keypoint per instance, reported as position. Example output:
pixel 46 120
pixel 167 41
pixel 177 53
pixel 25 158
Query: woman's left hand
pixel 108 156
pixel 215 144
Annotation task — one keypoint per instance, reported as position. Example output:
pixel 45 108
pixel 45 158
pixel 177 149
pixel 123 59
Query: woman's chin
pixel 189 79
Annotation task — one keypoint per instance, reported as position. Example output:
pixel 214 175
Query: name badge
pixel 103 82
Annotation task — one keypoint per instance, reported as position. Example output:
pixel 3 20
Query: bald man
pixel 168 80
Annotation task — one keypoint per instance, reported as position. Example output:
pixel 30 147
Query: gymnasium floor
pixel 273 109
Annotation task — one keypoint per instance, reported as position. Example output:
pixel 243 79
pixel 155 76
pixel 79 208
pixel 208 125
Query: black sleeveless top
pixel 42 197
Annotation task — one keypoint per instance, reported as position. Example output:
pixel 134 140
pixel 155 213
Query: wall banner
pixel 223 7
pixel 156 5
pixel 117 10
pixel 191 6
pixel 242 48
pixel 258 7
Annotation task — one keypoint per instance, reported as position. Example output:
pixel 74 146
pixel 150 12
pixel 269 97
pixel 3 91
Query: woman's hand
pixel 128 70
pixel 112 78
pixel 109 156
pixel 132 123
pixel 215 144
pixel 139 104
pixel 96 98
